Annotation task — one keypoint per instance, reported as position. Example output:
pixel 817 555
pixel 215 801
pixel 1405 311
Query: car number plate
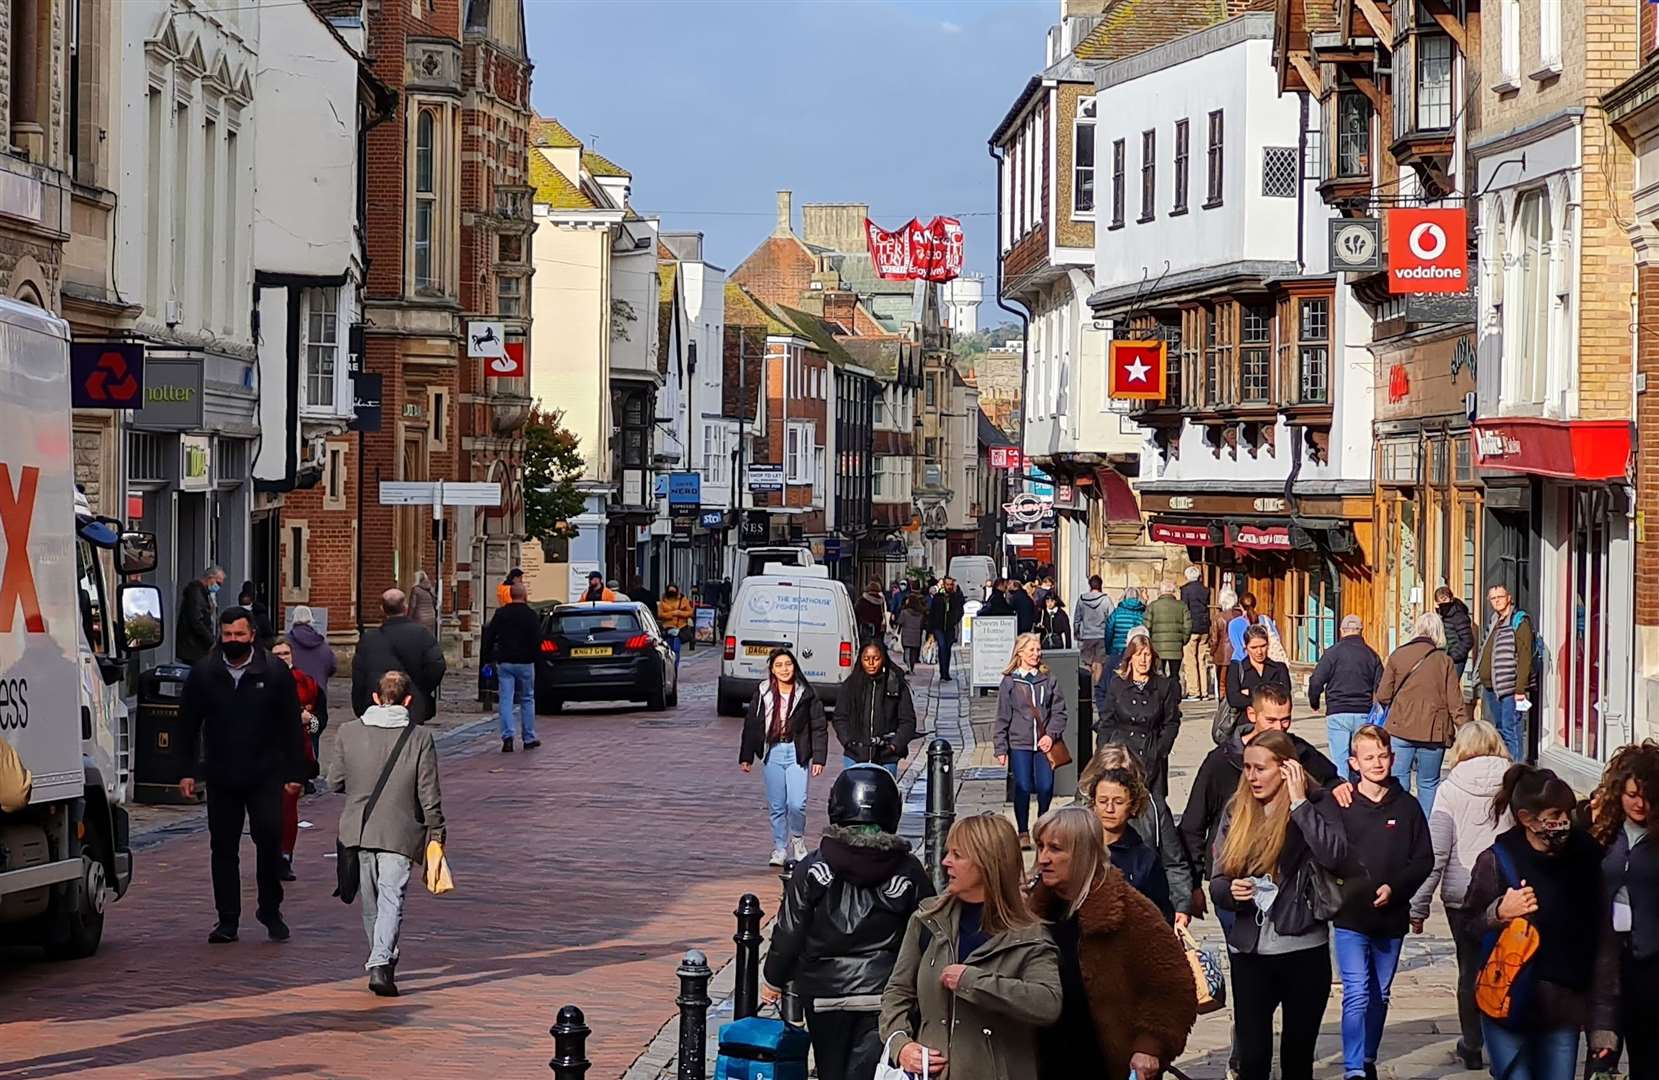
pixel 579 653
pixel 758 650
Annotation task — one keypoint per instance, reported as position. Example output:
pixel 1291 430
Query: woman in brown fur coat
pixel 1129 999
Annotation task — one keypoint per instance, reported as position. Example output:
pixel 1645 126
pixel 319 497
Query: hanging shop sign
pixel 1065 496
pixel 486 340
pixel 366 390
pixel 195 462
pixel 1356 245
pixel 1007 457
pixel 712 519
pixel 106 375
pixel 509 365
pixel 172 395
pixel 756 527
pixel 1259 538
pixel 1428 250
pixel 1169 532
pixel 1138 370
pixel 917 251
pixel 685 494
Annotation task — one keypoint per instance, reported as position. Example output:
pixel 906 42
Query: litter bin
pixel 161 752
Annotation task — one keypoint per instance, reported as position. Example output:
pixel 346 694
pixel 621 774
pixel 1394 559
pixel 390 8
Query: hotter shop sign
pixel 1428 251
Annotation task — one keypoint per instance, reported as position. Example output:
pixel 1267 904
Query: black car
pixel 604 652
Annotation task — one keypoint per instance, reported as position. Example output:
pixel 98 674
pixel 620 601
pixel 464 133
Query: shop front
pixel 1559 534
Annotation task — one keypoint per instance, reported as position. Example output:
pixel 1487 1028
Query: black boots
pixel 380 981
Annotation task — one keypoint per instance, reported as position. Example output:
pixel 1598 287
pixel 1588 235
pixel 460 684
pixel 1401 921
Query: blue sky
pixel 714 105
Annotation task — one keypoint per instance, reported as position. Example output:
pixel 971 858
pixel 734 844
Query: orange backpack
pixel 1505 985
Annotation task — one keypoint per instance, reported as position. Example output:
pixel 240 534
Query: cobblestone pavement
pixel 585 870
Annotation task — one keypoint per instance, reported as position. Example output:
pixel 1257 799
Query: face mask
pixel 236 651
pixel 1554 838
pixel 1267 891
pixel 213 589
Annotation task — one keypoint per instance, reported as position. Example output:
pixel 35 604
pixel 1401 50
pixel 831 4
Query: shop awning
pixel 1259 537
pixel 1121 505
pixel 1568 449
pixel 1187 534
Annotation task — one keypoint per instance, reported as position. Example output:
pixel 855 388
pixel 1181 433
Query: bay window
pixel 1353 134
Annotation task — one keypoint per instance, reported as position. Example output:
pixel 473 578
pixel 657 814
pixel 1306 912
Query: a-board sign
pixel 993 644
pixel 703 624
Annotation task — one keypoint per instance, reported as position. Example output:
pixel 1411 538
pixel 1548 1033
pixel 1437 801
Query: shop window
pixel 1580 728
pixel 1315 623
pixel 1470 554
pixel 1255 357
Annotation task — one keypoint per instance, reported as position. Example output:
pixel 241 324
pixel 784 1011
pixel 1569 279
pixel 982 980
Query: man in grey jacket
pixel 408 813
pixel 1088 624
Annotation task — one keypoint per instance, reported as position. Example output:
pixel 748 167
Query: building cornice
pixel 1120 299
pixel 1531 131
pixel 1255 26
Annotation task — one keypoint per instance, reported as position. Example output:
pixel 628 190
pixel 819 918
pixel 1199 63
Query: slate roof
pixel 598 165
pixel 545 131
pixel 818 332
pixel 553 188
pixel 990 434
pixel 858 273
pixel 880 355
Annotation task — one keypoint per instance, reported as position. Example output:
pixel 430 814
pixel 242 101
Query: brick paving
pixel 585 870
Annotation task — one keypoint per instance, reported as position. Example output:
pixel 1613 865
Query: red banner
pixel 1259 538
pixel 1165 532
pixel 917 251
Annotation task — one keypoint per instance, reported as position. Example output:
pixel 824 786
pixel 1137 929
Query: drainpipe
pixel 1025 357
pixel 1302 186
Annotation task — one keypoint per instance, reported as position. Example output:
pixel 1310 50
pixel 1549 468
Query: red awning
pixel 1121 505
pixel 1259 537
pixel 1569 449
pixel 1172 532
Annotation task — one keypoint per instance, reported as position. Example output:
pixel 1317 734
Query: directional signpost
pixel 439 494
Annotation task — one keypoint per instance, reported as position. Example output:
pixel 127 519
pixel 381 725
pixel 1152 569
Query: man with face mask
pixel 196 634
pixel 241 723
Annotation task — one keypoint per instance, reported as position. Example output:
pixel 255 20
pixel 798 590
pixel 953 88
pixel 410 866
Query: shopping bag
pixel 438 878
pixel 885 1071
pixel 1210 984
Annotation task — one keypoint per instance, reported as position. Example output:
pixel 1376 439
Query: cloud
pixel 950 28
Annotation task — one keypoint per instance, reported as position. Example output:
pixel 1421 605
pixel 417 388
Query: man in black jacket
pixel 1460 628
pixel 944 619
pixel 399 643
pixel 843 919
pixel 197 632
pixel 512 642
pixel 1195 656
pixel 1346 677
pixel 241 718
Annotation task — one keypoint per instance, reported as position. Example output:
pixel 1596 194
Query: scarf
pixel 777 729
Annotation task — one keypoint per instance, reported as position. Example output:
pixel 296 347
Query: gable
pixel 778 271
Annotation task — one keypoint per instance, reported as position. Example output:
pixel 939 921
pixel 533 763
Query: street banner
pixel 917 252
pixel 890 251
pixel 1137 370
pixel 1428 250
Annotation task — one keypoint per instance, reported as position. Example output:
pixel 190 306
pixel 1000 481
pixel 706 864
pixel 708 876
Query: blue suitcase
pixel 759 1048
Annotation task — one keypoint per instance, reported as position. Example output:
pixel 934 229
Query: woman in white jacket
pixel 1461 827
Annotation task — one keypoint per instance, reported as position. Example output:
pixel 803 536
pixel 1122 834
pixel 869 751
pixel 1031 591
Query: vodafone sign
pixel 1428 251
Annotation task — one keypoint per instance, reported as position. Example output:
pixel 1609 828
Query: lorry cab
pixel 798 608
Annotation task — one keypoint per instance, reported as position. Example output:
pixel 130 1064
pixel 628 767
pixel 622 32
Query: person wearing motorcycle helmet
pixel 842 920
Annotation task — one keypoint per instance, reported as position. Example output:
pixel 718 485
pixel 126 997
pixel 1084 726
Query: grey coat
pixel 410 811
pixel 1021 706
pixel 912 626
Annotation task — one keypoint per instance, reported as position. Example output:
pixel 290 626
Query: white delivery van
pixel 972 574
pixel 794 607
pixel 756 559
pixel 65 640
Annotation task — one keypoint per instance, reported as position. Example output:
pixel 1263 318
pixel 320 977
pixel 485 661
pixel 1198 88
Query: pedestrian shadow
pixel 218 1035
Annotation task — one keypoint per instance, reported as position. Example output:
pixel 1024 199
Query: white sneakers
pixel 778 857
pixel 797 848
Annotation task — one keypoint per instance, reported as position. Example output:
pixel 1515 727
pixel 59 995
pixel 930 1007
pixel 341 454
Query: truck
pixel 69 634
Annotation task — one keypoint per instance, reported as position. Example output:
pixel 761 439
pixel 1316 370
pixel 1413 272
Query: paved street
pixel 584 871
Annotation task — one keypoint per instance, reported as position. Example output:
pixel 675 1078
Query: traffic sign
pixel 440 492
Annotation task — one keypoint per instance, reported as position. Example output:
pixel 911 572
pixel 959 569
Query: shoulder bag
pixel 1227 716
pixel 347 860
pixel 1058 754
pixel 1379 711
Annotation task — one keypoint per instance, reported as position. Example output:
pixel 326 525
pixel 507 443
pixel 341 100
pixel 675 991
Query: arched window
pixel 426 198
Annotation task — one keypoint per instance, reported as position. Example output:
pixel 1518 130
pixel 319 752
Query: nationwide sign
pixel 917 251
pixel 1137 370
pixel 1428 250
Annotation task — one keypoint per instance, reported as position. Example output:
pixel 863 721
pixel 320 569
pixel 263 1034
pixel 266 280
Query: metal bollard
pixel 789 1006
pixel 694 1004
pixel 746 989
pixel 941 807
pixel 1084 740
pixel 570 1045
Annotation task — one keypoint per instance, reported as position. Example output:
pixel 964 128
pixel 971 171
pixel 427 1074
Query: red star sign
pixel 1139 370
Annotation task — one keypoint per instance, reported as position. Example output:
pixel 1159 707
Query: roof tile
pixel 1131 27
pixel 545 131
pixel 553 188
pixel 598 165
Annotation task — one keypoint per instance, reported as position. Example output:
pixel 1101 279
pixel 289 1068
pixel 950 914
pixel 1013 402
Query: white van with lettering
pixel 798 608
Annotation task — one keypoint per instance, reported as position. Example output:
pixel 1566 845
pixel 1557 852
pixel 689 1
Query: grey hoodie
pixel 1460 828
pixel 1089 617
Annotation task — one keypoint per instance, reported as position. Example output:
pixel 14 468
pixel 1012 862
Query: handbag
pixel 885 1071
pixel 1058 754
pixel 1208 980
pixel 348 860
pixel 1275 645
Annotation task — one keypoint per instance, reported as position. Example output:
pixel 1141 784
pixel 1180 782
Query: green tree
pixel 552 466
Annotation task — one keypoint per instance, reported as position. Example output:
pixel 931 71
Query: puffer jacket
pixel 876 720
pixel 1025 705
pixel 843 918
pixel 1125 617
pixel 1460 828
pixel 1169 624
pixel 1093 609
pixel 988 1028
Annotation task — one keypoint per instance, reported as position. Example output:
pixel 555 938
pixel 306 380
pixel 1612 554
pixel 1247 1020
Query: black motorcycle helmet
pixel 866 795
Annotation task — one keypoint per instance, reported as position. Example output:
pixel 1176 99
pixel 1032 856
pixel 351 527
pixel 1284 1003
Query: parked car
pixel 798 608
pixel 604 652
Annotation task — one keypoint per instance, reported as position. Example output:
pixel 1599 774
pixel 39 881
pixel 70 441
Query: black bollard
pixel 941 807
pixel 746 989
pixel 789 1006
pixel 570 1045
pixel 694 1004
pixel 1084 739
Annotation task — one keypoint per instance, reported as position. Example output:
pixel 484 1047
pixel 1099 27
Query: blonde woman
pixel 1280 952
pixel 1031 718
pixel 978 976
pixel 1460 828
pixel 1128 1001
pixel 1154 824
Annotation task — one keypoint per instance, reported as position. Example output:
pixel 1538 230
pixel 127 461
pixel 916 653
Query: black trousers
pixel 1468 937
pixel 227 807
pixel 845 1045
pixel 1300 982
pixel 1639 1016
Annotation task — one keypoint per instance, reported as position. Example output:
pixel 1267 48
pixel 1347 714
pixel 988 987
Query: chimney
pixel 786 214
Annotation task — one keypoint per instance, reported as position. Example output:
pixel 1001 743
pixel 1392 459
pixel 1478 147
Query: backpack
pixel 1507 982
pixel 1539 654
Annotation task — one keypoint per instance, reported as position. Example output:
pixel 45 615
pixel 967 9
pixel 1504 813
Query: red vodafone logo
pixel 1428 250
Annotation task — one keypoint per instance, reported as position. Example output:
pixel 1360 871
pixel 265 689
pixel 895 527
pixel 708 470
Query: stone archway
pixel 30 283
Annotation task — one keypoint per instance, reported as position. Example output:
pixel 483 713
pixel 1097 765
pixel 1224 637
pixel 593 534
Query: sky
pixel 714 105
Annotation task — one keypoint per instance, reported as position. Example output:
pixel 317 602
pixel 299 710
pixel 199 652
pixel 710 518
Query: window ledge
pixel 1083 215
pixel 1212 204
pixel 1551 70
pixel 1115 226
pixel 1506 85
pixel 1144 218
pixel 1178 211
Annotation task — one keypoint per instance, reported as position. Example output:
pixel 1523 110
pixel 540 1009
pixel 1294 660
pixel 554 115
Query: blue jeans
pixel 1501 712
pixel 517 687
pixel 848 761
pixel 785 793
pixel 945 643
pixel 1032 775
pixel 674 643
pixel 1531 1055
pixel 1428 758
pixel 1367 964
pixel 1340 727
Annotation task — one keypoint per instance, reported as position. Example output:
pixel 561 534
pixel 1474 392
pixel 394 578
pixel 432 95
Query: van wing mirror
pixel 138 553
pixel 142 624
